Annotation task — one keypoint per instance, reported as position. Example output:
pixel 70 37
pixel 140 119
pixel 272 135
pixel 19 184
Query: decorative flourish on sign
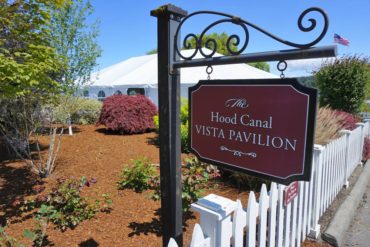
pixel 234 40
pixel 238 102
pixel 238 153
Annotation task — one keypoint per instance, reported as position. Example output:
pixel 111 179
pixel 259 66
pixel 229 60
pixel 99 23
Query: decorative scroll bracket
pixel 301 51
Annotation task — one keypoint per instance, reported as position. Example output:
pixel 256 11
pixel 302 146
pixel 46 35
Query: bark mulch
pixel 94 153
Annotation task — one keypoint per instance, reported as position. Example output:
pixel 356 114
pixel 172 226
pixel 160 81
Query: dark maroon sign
pixel 290 192
pixel 261 127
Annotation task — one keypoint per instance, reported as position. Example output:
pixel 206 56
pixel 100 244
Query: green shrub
pixel 64 205
pixel 6 240
pixel 78 110
pixel 342 83
pixel 156 122
pixel 195 177
pixel 88 113
pixel 184 133
pixel 184 129
pixel 246 181
pixel 137 176
pixel 184 111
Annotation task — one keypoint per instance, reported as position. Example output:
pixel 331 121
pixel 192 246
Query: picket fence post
pixel 346 170
pixel 316 180
pixel 280 216
pixel 272 216
pixel 263 207
pixel 215 218
pixel 367 122
pixel 239 223
pixel 362 125
pixel 198 239
pixel 172 243
pixel 252 214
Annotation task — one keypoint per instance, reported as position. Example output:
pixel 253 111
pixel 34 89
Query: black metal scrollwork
pixel 234 40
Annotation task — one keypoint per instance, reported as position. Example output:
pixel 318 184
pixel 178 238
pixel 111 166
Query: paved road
pixel 358 233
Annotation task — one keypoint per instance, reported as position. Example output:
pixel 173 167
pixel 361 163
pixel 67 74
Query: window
pixel 135 91
pixel 85 93
pixel 101 95
pixel 118 92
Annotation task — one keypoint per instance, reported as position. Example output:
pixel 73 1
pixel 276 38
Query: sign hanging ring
pixel 209 71
pixel 282 66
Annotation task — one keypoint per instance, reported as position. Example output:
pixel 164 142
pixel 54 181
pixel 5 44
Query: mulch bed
pixel 94 153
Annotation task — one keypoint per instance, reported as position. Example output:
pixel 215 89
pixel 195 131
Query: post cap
pixel 344 131
pixel 217 205
pixel 318 148
pixel 168 9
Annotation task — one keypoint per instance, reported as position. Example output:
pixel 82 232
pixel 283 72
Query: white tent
pixel 140 74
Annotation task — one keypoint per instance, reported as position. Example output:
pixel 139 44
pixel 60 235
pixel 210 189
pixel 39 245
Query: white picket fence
pixel 266 221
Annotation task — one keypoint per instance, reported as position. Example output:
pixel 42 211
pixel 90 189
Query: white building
pixel 139 75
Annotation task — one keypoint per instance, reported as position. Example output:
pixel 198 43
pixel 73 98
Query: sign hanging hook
pixel 282 66
pixel 209 71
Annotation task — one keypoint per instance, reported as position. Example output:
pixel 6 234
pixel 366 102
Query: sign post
pixel 170 20
pixel 169 123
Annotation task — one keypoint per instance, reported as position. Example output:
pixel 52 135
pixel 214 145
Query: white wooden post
pixel 345 179
pixel 362 126
pixel 263 207
pixel 272 216
pixel 252 214
pixel 215 218
pixel 310 200
pixel 300 213
pixel 317 162
pixel 239 223
pixel 172 243
pixel 305 209
pixel 280 216
pixel 293 225
pixel 367 121
pixel 287 221
pixel 198 239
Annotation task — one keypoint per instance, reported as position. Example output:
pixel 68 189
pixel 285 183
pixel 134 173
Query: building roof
pixel 142 70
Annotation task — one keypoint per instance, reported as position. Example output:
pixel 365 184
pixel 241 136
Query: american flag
pixel 340 40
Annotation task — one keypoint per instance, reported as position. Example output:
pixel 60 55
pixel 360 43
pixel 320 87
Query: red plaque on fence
pixel 290 192
pixel 260 127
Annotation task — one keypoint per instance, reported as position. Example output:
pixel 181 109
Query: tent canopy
pixel 142 70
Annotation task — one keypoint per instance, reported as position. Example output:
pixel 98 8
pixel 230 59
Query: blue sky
pixel 127 29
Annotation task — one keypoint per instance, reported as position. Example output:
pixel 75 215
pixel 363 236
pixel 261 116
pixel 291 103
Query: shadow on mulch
pixel 46 130
pixel 153 141
pixel 106 131
pixel 155 226
pixel 5 153
pixel 46 242
pixel 16 182
pixel 89 243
